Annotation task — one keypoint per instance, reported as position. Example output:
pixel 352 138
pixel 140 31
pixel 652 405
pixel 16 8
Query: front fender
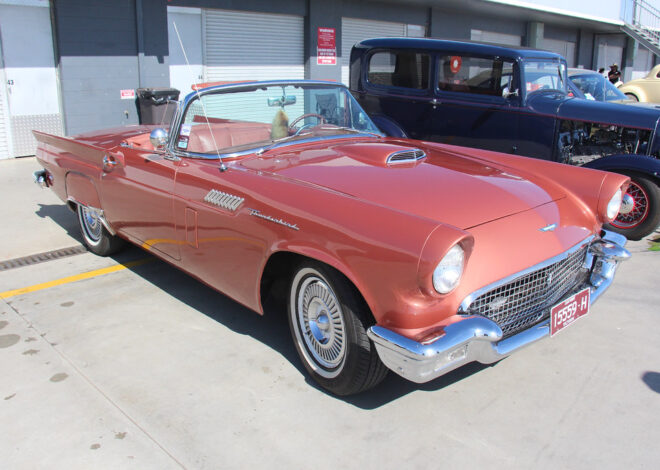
pixel 622 163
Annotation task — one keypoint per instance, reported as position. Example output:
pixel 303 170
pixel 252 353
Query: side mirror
pixel 158 138
pixel 506 93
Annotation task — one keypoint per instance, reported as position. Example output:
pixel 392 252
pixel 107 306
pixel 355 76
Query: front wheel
pixel 328 321
pixel 642 215
pixel 632 96
pixel 96 237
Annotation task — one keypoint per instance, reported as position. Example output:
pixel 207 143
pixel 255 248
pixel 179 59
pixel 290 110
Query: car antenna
pixel 223 167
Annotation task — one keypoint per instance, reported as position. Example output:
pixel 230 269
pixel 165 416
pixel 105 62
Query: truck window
pixel 399 69
pixel 474 75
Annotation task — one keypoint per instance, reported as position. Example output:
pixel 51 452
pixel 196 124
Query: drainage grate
pixel 42 257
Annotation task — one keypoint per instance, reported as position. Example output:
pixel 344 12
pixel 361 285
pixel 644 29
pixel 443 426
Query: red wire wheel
pixel 644 216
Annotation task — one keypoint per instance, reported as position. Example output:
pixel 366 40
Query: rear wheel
pixel 96 237
pixel 643 216
pixel 328 321
pixel 632 96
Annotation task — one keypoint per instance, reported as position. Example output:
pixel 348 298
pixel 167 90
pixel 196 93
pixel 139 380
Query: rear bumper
pixel 479 339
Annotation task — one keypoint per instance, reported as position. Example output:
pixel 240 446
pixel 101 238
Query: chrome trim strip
pixel 242 153
pixel 475 338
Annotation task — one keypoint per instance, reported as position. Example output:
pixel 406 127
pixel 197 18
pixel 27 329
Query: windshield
pixel 545 75
pixel 236 119
pixel 596 87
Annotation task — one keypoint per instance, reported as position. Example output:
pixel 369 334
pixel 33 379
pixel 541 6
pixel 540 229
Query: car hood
pixel 608 113
pixel 446 186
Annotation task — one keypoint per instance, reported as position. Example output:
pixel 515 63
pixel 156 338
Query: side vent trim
pixel 405 156
pixel 224 200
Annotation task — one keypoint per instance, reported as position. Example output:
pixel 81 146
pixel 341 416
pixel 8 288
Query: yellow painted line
pixel 77 277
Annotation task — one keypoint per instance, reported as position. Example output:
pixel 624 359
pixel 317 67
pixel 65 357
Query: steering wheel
pixel 292 128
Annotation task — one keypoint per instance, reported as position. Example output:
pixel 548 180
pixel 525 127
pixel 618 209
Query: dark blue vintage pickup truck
pixel 512 100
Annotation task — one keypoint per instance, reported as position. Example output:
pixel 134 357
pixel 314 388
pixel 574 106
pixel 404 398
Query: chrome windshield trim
pixel 242 153
pixel 183 106
pixel 465 305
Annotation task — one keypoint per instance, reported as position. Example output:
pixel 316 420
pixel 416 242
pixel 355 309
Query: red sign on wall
pixel 326 46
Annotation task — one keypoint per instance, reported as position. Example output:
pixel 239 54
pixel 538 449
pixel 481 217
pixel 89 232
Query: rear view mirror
pixel 506 93
pixel 282 101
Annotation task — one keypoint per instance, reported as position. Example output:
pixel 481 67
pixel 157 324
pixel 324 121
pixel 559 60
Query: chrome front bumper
pixel 479 339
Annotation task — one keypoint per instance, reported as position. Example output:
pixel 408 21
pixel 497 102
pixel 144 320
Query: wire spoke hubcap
pixel 321 322
pixel 91 223
pixel 636 214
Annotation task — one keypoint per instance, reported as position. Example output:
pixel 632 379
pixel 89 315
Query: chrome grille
pixel 404 156
pixel 527 299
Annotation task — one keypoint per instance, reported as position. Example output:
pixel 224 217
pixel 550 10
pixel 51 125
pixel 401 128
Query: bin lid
pixel 158 92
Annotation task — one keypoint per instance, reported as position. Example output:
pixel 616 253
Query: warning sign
pixel 326 50
pixel 127 94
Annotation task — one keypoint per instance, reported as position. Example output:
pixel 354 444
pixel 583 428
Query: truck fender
pixel 389 126
pixel 642 164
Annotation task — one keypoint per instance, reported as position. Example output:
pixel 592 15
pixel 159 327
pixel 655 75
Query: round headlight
pixel 448 273
pixel 614 205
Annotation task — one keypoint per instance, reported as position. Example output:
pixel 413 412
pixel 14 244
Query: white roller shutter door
pixel 354 30
pixel 252 46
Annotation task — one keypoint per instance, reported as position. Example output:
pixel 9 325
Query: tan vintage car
pixel 645 89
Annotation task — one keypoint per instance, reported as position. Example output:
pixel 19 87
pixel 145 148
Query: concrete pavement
pixel 147 368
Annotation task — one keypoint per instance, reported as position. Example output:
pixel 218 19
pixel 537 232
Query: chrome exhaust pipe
pixel 42 178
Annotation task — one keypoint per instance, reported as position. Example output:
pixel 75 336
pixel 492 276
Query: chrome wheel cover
pixel 320 328
pixel 91 224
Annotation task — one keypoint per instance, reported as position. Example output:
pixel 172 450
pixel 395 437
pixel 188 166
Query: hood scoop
pixel 405 156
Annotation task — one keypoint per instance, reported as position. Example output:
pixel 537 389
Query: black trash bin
pixel 156 105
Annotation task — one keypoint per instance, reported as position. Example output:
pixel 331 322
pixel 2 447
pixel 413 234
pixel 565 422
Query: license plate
pixel 566 312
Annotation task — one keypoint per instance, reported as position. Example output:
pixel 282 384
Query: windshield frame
pixel 563 75
pixel 603 82
pixel 184 106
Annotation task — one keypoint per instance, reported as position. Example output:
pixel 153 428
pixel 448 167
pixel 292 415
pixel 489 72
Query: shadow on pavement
pixel 62 216
pixel 652 380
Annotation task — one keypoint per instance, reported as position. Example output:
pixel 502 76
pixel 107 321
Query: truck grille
pixel 527 299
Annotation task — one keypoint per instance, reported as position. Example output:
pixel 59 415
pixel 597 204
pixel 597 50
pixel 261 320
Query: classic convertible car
pixel 513 100
pixel 386 253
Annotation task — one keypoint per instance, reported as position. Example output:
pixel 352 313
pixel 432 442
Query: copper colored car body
pixel 347 226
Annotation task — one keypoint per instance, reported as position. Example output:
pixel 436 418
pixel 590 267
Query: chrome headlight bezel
pixel 614 205
pixel 447 274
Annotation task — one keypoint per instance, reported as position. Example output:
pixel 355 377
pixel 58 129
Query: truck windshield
pixel 545 75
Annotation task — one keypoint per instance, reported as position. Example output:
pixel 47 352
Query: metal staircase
pixel 642 23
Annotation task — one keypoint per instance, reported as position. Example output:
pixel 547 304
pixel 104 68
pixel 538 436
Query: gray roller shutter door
pixel 252 46
pixel 565 48
pixel 354 30
pixel 495 38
